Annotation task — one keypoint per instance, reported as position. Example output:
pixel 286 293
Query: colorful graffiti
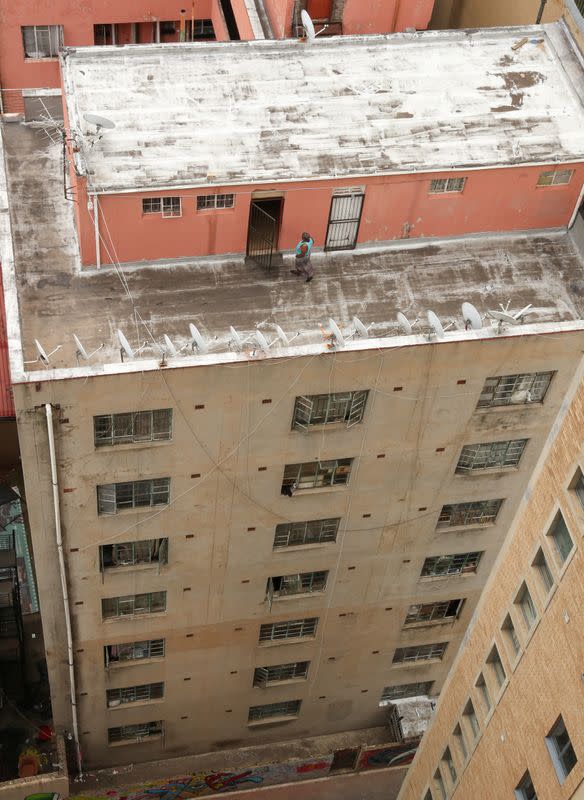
pixel 397 755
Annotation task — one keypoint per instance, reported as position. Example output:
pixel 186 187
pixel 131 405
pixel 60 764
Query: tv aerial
pixel 42 354
pixel 81 352
pixel 507 317
pixel 308 26
pixel 472 318
pixel 404 323
pixel 126 348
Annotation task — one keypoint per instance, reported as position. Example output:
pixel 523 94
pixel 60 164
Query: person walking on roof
pixel 303 265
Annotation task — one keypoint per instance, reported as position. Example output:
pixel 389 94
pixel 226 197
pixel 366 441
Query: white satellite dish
pixel 360 329
pixel 99 121
pixel 308 25
pixel 262 341
pixel 336 333
pixel 520 314
pixel 435 324
pixel 235 338
pixel 41 351
pixel 81 352
pixel 197 340
pixel 503 316
pixel 124 346
pixel 472 318
pixel 404 323
pixel 170 348
pixel 282 336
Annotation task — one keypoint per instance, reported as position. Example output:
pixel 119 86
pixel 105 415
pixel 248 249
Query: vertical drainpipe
pixel 96 229
pixel 395 15
pixel 63 576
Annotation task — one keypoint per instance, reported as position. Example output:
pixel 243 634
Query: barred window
pixel 292 629
pixel 481 512
pixel 453 564
pixel 266 676
pixel 134 694
pixel 135 733
pixel 133 651
pixel 297 583
pixel 555 177
pixel 125 554
pixel 289 708
pixel 314 474
pixel 433 612
pixel 167 206
pixel 316 531
pixel 491 455
pixel 42 41
pixel 113 497
pixel 206 201
pixel 131 605
pixel 204 29
pixel 391 693
pixel 132 426
pixel 442 185
pixel 420 652
pixel 513 390
pixel 324 409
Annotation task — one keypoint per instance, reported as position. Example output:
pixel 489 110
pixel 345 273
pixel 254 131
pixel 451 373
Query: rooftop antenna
pixel 126 348
pixel 308 26
pixel 405 324
pixel 169 346
pixel 284 338
pixel 81 352
pixel 437 328
pixel 360 330
pixel 506 317
pixel 236 339
pixel 43 356
pixel 197 340
pixel 472 318
pixel 101 123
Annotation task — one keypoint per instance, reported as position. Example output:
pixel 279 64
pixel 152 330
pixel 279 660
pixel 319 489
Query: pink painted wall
pixel 241 18
pixel 386 16
pixel 280 14
pixel 395 207
pixel 78 19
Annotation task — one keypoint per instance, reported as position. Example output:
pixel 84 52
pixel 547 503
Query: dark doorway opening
pixel 265 218
pixel 345 760
pixel 232 28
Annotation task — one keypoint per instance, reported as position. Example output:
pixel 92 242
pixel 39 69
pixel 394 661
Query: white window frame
pixel 511 390
pixel 447 185
pixel 558 753
pixel 166 206
pixel 215 202
pixel 113 497
pixel 346 408
pixel 555 177
pixel 39 32
pixel 556 541
pixel 490 455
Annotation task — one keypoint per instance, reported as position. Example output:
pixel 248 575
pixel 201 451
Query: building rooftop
pixel 49 296
pixel 265 111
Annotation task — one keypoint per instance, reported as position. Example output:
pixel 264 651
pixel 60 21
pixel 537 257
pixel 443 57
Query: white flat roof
pixel 258 112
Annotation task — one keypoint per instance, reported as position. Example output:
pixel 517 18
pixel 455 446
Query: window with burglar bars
pixel 513 390
pixel 453 564
pixel 289 708
pixel 204 29
pixel 42 41
pixel 481 512
pixel 135 733
pixel 206 201
pixel 316 474
pixel 433 612
pixel 132 426
pixel 420 652
pixel 491 455
pixel 418 689
pixel 292 629
pixel 167 206
pixel 442 185
pixel 135 694
pixel 126 554
pixel 266 676
pixel 131 605
pixel 114 497
pixel 133 651
pixel 559 177
pixel 316 531
pixel 325 409
pixel 297 583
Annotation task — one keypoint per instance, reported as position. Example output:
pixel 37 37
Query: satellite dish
pixel 435 324
pixel 308 25
pixel 170 348
pixel 197 340
pixel 99 122
pixel 471 317
pixel 336 332
pixel 282 336
pixel 520 314
pixel 504 316
pixel 235 338
pixel 124 345
pixel 41 351
pixel 81 351
pixel 404 323
pixel 360 329
pixel 262 341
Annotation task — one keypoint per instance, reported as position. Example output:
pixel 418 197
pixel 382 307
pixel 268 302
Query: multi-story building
pixel 509 722
pixel 472 13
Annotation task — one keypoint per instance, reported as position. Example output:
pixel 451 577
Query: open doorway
pixel 320 9
pixel 265 217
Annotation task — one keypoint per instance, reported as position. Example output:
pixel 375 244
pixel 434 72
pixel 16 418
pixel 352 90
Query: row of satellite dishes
pixel 258 341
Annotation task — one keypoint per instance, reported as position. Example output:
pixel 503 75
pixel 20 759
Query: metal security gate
pixel 262 235
pixel 344 220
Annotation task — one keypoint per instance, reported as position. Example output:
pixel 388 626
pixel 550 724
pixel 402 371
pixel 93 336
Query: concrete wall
pixel 546 679
pixel 57 781
pixel 478 14
pixel 395 207
pixel 226 462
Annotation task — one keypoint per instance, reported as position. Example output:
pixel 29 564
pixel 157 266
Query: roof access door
pixel 264 228
pixel 344 220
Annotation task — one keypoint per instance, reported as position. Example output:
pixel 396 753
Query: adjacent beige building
pixel 477 14
pixel 509 722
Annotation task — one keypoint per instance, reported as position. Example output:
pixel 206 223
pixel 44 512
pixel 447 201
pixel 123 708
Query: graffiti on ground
pixel 206 783
pixel 397 755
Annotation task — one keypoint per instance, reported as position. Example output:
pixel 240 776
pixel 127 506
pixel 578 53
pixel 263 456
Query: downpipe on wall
pixel 63 576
